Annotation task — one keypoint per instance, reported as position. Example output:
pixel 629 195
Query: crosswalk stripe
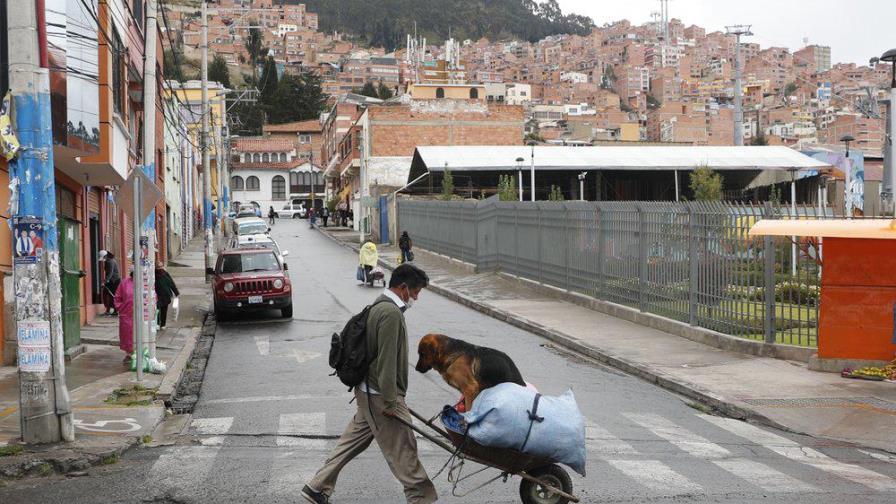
pixel 880 456
pixel 212 426
pixel 656 475
pixel 763 476
pixel 264 344
pixel 601 441
pixel 694 444
pixel 302 424
pixel 182 467
pixel 291 471
pixel 793 451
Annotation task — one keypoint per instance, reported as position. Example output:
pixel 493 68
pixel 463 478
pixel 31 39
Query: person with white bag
pixel 166 291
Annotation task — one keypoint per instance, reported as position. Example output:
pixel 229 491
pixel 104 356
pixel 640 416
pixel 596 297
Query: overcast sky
pixel 856 30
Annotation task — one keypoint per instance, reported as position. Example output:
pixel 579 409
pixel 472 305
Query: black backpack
pixel 348 349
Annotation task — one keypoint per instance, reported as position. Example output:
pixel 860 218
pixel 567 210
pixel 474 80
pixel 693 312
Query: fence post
pixel 516 238
pixel 601 287
pixel 566 226
pixel 642 260
pixel 540 259
pixel 769 274
pixel 693 265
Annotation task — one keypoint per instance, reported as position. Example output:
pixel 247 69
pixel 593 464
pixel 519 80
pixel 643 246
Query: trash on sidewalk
pixel 887 372
pixel 150 365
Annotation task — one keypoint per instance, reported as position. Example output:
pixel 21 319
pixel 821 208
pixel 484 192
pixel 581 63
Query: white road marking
pixel 182 468
pixel 657 476
pixel 212 426
pixel 303 356
pixel 792 450
pixel 302 424
pixel 601 441
pixel 880 456
pixel 212 441
pixel 764 476
pixel 697 446
pixel 296 397
pixel 264 344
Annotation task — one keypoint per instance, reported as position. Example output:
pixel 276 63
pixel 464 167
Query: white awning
pixel 646 158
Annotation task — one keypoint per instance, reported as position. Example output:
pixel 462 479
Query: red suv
pixel 250 279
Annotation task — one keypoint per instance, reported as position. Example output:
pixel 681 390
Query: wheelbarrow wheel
pixel 554 475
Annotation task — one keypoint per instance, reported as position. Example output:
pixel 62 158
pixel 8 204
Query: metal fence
pixel 692 262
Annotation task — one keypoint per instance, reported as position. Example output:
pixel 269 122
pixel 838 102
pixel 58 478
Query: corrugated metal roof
pixel 496 158
pixel 884 229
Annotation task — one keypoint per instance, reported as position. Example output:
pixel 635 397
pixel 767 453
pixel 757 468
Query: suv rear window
pixel 243 263
pixel 252 228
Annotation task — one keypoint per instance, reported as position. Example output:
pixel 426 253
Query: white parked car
pixel 258 241
pixel 250 226
pixel 292 211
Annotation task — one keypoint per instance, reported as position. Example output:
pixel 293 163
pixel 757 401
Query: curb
pixel 63 458
pixel 647 373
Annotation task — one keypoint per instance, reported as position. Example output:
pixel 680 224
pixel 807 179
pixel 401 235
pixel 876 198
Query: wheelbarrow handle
pixel 429 424
pixel 426 435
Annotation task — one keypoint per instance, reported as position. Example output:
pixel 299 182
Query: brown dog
pixel 466 367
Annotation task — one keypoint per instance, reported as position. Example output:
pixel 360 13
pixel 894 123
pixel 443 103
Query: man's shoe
pixel 314 496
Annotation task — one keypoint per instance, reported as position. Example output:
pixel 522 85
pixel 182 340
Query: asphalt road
pixel 268 413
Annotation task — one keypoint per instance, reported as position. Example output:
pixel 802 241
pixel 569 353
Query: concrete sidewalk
pixel 781 393
pixel 106 422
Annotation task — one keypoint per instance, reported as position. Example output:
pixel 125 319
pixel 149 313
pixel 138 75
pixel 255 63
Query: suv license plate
pixel 255 299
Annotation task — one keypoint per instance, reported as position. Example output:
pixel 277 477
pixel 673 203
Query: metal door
pixel 70 273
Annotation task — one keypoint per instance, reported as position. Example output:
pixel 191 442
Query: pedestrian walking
pixel 351 216
pixel 368 258
pixel 405 244
pixel 111 279
pixel 124 305
pixel 311 216
pixel 324 215
pixel 380 400
pixel 272 215
pixel 166 290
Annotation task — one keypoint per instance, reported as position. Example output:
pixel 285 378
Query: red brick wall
pixel 397 130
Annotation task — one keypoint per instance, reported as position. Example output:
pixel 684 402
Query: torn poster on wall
pixel 29 244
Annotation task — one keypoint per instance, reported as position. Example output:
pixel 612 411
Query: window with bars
pixel 236 183
pixel 278 188
pixel 252 184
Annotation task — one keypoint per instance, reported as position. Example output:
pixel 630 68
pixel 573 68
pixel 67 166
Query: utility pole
pixel 44 408
pixel 206 165
pixel 738 31
pixel 888 194
pixel 149 166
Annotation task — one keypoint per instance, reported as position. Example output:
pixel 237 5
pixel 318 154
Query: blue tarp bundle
pixel 501 418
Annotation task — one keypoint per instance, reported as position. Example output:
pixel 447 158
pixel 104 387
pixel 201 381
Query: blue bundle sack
pixel 501 418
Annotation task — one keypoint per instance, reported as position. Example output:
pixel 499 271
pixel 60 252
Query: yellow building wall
pixel 629 132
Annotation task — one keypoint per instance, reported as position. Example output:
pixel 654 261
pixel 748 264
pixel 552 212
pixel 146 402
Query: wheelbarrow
pixel 543 481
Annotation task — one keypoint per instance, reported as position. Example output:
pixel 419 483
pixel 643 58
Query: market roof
pixel 827 228
pixel 643 158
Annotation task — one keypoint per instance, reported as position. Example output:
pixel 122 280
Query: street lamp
pixel 519 174
pixel 532 174
pixel 888 195
pixel 846 139
pixel 582 185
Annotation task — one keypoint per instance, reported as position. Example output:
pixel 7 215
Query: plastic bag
pixel 359 275
pixel 500 418
pixel 154 366
pixel 175 307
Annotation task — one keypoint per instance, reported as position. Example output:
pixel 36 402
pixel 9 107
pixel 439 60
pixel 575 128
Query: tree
pixel 253 46
pixel 790 88
pixel 706 184
pixel 556 194
pixel 218 71
pixel 384 92
pixel 507 189
pixel 268 83
pixel 171 66
pixel 368 90
pixel 652 102
pixel 447 185
pixel 298 98
pixel 759 139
